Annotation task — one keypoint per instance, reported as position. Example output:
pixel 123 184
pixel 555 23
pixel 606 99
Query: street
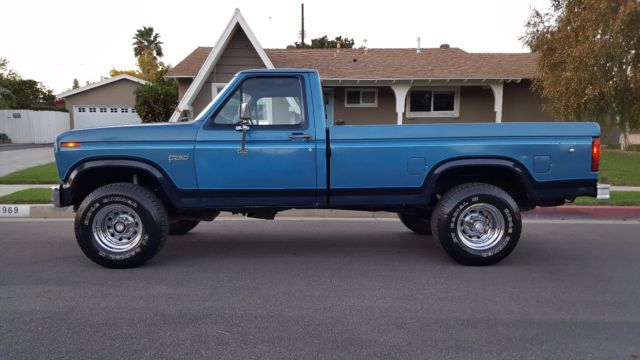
pixel 322 288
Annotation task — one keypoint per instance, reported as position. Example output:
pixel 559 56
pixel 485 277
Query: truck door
pixel 277 164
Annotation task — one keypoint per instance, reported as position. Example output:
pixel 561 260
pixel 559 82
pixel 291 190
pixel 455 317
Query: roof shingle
pixel 430 63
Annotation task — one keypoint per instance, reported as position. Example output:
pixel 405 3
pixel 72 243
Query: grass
pixel 620 198
pixel 28 196
pixel 43 174
pixel 620 168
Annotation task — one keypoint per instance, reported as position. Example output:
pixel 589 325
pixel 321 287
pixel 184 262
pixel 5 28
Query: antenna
pixel 365 46
pixel 302 30
pixel 418 49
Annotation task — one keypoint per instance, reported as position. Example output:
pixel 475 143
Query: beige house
pixel 374 86
pixel 108 102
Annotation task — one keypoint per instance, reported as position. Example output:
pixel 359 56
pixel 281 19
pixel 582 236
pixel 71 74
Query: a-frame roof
pixel 237 22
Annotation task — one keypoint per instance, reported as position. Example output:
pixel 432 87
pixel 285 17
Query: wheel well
pixel 91 179
pixel 504 178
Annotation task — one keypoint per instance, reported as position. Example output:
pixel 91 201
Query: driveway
pixel 16 157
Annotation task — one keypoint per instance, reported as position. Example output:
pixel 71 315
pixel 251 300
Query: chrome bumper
pixel 55 195
pixel 604 191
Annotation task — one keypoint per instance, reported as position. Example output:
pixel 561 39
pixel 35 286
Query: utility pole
pixel 302 31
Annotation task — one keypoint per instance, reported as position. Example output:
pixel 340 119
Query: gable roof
pixel 101 83
pixel 435 63
pixel 237 22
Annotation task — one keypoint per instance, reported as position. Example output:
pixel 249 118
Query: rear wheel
pixel 477 224
pixel 419 223
pixel 181 227
pixel 121 225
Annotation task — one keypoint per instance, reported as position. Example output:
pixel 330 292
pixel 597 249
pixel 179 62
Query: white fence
pixel 33 127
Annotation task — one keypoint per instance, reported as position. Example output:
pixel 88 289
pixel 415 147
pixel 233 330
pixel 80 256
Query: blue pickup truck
pixel 264 145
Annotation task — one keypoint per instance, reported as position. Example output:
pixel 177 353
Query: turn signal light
pixel 595 154
pixel 69 144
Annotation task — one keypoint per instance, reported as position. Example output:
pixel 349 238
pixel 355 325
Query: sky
pixel 56 41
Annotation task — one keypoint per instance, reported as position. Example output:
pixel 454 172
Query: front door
pixel 327 94
pixel 278 167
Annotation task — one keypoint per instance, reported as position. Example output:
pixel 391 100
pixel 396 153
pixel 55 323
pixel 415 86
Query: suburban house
pixel 374 86
pixel 108 102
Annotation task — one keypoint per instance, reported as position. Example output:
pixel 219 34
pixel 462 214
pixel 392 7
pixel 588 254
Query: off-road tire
pixel 119 206
pixel 460 238
pixel 419 223
pixel 181 227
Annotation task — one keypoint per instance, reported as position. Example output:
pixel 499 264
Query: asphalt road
pixel 361 289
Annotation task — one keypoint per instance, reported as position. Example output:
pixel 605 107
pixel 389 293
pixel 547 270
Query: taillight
pixel 595 154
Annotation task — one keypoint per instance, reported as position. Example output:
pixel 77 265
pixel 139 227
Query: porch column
pixel 498 90
pixel 401 94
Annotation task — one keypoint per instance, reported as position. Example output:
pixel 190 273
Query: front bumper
pixel 60 196
pixel 604 192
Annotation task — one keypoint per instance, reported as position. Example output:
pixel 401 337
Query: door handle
pixel 303 136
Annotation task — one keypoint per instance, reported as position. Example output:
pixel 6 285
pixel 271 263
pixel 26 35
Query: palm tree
pixel 147 39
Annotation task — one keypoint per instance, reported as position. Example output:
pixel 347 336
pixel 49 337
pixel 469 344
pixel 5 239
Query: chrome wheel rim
pixel 117 228
pixel 480 226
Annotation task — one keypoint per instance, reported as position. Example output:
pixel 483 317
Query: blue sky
pixel 57 41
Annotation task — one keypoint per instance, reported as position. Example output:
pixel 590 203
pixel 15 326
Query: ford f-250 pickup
pixel 263 146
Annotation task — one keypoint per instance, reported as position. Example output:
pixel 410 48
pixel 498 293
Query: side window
pixel 230 112
pixel 272 101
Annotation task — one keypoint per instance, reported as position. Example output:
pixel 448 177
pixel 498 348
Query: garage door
pixel 89 116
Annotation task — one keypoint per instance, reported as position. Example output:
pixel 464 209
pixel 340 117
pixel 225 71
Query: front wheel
pixel 477 224
pixel 121 225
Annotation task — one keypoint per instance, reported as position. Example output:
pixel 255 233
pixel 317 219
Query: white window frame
pixel 375 90
pixel 427 114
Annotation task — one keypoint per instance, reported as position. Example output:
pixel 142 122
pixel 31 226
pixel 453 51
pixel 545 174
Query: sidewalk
pixel 625 188
pixel 8 189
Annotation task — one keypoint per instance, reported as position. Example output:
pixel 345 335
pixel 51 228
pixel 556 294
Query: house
pixel 108 102
pixel 374 86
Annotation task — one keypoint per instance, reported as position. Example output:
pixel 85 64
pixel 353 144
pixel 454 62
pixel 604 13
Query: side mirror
pixel 245 114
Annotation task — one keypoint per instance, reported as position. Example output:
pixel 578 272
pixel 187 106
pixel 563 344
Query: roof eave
pixel 100 83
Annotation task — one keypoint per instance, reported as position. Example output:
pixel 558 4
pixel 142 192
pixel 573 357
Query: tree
pixel 324 43
pixel 76 84
pixel 156 101
pixel 147 39
pixel 19 93
pixel 147 48
pixel 589 60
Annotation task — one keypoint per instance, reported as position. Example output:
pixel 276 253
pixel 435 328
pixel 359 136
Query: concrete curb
pixel 568 211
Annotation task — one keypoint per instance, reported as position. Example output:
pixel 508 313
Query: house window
pixel 113 110
pixel 92 109
pixel 124 110
pixel 434 102
pixel 103 110
pixel 133 110
pixel 361 98
pixel 82 109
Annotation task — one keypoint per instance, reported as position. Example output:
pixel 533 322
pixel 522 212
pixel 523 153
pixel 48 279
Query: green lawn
pixel 43 174
pixel 620 168
pixel 617 198
pixel 28 196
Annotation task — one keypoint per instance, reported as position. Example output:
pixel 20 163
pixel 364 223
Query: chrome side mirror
pixel 245 114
